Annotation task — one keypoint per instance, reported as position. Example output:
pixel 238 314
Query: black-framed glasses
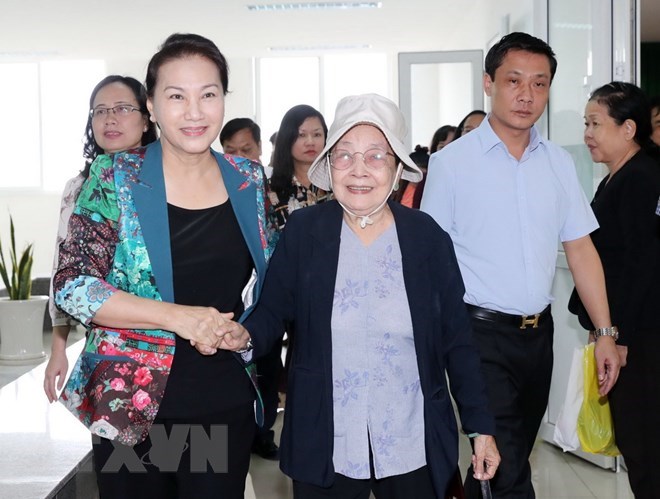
pixel 341 159
pixel 120 110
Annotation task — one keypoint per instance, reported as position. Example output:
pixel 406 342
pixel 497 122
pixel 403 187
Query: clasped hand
pixel 209 330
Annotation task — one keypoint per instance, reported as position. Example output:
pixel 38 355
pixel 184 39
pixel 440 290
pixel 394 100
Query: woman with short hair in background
pixel 618 134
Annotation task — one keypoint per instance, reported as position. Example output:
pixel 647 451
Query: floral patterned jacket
pixel 118 239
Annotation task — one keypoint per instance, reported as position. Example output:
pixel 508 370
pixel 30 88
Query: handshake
pixel 209 330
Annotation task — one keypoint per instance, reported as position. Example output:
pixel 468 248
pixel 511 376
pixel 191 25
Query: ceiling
pixel 134 28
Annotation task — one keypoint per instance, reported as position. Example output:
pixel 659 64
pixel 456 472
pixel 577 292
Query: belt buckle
pixel 530 320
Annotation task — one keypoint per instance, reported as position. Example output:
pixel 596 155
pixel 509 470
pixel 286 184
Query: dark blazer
pixel 628 242
pixel 300 286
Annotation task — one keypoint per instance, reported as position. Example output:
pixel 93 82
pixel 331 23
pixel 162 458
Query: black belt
pixel 520 321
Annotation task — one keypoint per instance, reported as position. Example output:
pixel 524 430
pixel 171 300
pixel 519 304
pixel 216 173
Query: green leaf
pixel 24 274
pixel 18 278
pixel 3 268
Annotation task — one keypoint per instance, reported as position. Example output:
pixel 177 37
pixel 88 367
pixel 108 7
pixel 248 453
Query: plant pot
pixel 21 330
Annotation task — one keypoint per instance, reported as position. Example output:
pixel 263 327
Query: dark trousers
pixel 416 484
pixel 269 370
pixel 635 404
pixel 517 368
pixel 187 481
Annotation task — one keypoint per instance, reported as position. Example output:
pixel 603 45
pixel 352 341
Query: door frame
pixel 407 59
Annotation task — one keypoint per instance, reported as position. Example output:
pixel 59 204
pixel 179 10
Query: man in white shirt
pixel 506 196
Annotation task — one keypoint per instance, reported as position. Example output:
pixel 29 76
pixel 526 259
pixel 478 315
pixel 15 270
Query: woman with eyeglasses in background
pixel 118 120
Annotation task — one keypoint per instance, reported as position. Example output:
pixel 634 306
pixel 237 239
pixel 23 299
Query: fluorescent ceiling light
pixel 317 48
pixel 314 6
pixel 578 26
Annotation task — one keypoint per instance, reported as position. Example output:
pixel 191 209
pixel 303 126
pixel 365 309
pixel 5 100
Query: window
pixel 46 104
pixel 284 82
pixel 19 126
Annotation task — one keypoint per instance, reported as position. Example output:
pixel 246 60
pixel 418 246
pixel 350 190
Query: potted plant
pixel 21 315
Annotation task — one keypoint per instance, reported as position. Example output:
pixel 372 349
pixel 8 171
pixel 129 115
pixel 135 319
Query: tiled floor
pixel 555 474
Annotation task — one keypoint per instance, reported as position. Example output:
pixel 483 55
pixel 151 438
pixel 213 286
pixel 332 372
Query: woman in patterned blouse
pixel 299 141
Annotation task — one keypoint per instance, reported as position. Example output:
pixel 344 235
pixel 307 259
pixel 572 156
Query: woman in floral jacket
pixel 161 241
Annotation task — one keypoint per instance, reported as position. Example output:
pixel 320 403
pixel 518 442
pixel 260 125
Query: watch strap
pixel 612 331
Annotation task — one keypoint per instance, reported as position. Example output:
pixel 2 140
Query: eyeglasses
pixel 120 110
pixel 373 158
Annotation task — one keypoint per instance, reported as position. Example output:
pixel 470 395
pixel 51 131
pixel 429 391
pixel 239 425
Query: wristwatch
pixel 248 346
pixel 607 331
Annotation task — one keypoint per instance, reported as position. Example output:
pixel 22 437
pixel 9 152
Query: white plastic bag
pixel 565 434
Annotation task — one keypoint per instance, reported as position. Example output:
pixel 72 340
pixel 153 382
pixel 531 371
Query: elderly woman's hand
pixel 486 457
pixel 230 336
pixel 234 336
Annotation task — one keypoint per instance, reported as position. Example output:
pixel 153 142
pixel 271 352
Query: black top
pixel 211 265
pixel 628 242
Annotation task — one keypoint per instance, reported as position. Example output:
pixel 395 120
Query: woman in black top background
pixel 617 133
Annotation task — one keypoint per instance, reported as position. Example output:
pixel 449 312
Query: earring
pixel 396 186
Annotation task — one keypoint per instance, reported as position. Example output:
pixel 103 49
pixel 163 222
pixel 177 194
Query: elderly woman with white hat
pixel 377 299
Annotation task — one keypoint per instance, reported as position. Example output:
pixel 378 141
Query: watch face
pixel 248 346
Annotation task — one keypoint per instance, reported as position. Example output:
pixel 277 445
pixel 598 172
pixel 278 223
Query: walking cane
pixel 485 489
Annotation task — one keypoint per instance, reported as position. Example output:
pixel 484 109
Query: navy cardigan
pixel 299 288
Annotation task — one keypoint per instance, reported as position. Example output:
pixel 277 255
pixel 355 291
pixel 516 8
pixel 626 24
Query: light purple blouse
pixel 377 397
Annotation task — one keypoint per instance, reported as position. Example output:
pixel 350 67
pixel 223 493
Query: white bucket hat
pixel 366 109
